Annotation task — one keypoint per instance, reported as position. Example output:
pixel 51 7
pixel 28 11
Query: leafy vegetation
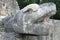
pixel 23 3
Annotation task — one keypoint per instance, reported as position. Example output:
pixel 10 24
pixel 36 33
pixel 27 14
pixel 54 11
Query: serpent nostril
pixel 3 4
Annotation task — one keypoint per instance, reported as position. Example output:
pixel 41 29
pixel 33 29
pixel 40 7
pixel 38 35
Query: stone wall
pixel 56 30
pixel 7 8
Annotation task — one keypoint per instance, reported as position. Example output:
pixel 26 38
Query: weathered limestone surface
pixel 41 11
pixel 15 22
pixel 57 30
pixel 25 23
pixel 56 34
pixel 7 36
pixel 8 7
